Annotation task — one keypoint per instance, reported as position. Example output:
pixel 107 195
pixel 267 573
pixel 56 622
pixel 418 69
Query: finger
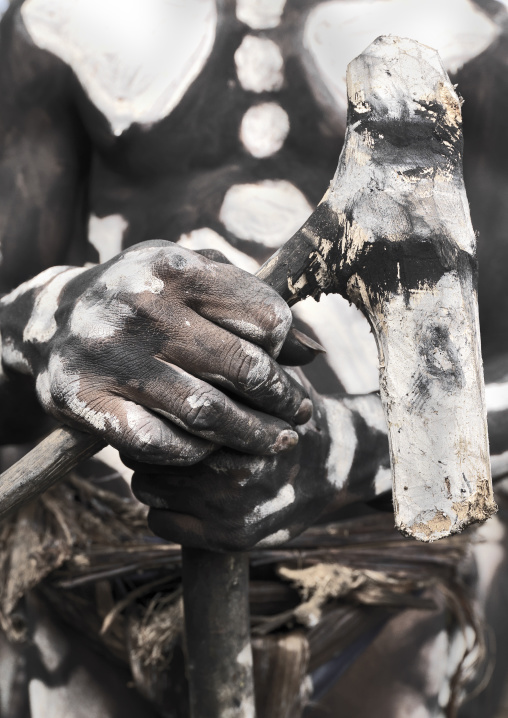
pixel 223 293
pixel 130 428
pixel 241 303
pixel 194 533
pixel 149 438
pixel 299 349
pixel 214 254
pixel 176 494
pixel 202 493
pixel 179 528
pixel 224 359
pixel 204 411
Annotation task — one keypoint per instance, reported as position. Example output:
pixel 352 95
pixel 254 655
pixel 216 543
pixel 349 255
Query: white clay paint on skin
pixel 370 409
pixel 138 419
pixel 14 358
pixel 106 235
pixel 197 402
pixel 244 658
pixel 344 332
pixel 284 498
pixel 56 370
pixel 343 442
pixel 279 537
pixel 260 14
pixel 90 320
pixel 268 212
pixel 38 281
pixel 264 129
pixel 259 64
pixel 496 396
pixel 133 273
pixel 135 60
pixel 42 325
pixel 206 238
pixel 110 456
pixel 383 481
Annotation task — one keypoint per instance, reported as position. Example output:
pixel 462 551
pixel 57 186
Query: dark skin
pixel 168 360
pixel 149 329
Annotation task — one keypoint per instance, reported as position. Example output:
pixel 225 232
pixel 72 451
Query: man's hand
pixel 231 501
pixel 148 350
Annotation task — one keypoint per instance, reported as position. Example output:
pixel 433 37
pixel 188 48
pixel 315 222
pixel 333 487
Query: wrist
pixel 27 318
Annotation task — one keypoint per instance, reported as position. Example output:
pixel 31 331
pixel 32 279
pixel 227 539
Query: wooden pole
pixel 217 630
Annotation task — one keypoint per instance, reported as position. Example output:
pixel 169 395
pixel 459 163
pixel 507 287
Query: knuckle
pixel 142 491
pixel 241 539
pixel 277 320
pixel 253 367
pixel 202 411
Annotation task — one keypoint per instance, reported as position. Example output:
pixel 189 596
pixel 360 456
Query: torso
pixel 225 130
pixel 220 123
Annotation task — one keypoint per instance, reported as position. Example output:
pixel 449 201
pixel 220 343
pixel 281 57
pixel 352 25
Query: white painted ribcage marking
pixel 345 334
pixel 260 14
pixel 383 480
pixel 456 28
pixel 206 238
pixel 259 64
pixel 106 234
pixel 370 409
pixel 264 129
pixel 489 552
pixel 343 441
pixel 496 396
pixel 268 212
pixel 135 59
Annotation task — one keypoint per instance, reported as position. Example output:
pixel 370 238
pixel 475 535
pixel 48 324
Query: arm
pixel 124 350
pixel 234 502
pixel 43 161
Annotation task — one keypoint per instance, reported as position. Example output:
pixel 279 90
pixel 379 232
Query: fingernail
pixel 285 440
pixel 304 413
pixel 307 341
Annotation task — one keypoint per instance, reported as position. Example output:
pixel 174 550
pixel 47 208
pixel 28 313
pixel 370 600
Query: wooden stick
pixel 46 464
pixel 217 634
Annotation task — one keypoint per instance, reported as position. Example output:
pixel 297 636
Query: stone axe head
pixel 393 235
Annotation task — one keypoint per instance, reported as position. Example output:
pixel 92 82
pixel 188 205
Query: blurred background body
pixel 218 124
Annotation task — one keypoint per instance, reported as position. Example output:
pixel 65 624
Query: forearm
pixel 26 321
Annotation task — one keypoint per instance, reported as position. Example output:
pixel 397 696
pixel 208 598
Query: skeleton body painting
pixel 125 123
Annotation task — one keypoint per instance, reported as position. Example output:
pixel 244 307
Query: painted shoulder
pixel 134 59
pixel 458 29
